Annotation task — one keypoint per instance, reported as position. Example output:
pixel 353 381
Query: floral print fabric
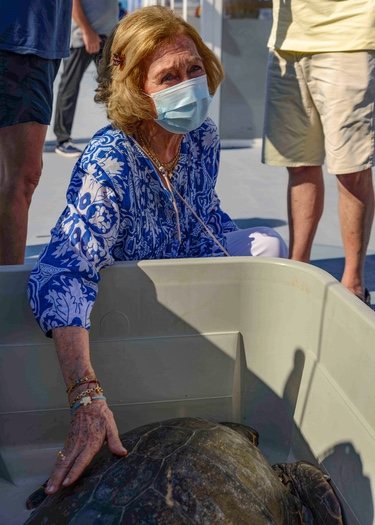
pixel 119 210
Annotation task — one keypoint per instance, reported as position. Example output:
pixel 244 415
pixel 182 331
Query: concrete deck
pixel 250 192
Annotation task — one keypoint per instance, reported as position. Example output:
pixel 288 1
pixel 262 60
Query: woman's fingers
pixel 89 428
pixel 61 468
pixel 68 470
pixel 114 441
pixel 87 433
pixel 81 462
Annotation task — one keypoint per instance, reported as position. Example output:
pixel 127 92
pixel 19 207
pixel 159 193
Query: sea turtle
pixel 191 471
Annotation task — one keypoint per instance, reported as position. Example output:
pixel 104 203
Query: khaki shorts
pixel 320 106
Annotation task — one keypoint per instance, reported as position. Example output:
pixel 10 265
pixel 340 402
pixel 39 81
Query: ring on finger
pixel 61 456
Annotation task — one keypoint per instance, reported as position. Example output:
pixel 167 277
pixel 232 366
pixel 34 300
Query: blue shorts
pixel 26 88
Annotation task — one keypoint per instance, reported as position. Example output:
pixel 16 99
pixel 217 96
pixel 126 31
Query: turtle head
pixel 313 488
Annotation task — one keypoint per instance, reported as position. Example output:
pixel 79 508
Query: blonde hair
pixel 122 72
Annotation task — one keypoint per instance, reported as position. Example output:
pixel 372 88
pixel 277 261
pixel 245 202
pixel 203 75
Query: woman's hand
pixel 91 425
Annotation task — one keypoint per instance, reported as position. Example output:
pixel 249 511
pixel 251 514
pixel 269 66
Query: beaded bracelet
pixel 81 381
pixel 85 393
pixel 87 400
pixel 87 383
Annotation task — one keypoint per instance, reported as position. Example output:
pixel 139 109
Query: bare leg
pixel 356 212
pixel 305 207
pixel 21 148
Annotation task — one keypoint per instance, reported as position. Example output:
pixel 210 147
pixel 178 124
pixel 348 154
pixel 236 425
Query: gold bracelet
pixel 84 393
pixel 81 381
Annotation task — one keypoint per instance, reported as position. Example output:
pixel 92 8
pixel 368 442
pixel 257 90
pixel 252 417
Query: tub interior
pixel 277 345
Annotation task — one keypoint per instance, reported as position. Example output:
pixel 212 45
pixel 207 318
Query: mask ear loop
pixel 217 242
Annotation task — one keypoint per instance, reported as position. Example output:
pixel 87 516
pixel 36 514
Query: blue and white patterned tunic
pixel 119 210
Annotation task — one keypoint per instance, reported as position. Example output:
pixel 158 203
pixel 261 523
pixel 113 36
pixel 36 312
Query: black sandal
pixel 367 297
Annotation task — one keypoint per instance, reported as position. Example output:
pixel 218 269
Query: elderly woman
pixel 143 189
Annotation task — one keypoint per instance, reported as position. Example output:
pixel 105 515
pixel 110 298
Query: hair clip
pixel 117 59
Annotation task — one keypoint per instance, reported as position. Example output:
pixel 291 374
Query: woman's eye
pixel 196 68
pixel 167 78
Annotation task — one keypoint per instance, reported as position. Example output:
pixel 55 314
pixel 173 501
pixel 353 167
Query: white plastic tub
pixel 276 344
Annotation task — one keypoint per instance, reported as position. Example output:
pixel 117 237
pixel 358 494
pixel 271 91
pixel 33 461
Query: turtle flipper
pixel 36 497
pixel 312 486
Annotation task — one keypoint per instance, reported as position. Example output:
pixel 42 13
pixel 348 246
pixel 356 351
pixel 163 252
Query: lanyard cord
pixel 204 226
pixel 170 189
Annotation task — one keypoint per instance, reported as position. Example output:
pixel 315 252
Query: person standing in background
pixel 34 37
pixel 320 104
pixel 92 21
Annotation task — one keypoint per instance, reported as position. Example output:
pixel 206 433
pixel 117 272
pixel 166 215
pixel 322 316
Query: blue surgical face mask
pixel 183 107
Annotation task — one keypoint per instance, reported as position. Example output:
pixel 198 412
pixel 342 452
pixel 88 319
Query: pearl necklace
pixel 164 168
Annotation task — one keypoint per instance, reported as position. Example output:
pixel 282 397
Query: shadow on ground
pixel 335 267
pixel 33 251
pixel 253 222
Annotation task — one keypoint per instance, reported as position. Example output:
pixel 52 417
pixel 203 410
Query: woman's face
pixel 173 63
